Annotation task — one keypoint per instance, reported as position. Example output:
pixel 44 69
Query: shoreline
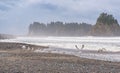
pixel 27 61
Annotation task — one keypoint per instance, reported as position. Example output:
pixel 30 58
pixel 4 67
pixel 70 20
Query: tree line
pixel 106 25
pixel 59 29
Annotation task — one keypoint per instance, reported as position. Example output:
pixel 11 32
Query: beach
pixel 17 59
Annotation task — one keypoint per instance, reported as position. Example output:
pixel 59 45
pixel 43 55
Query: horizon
pixel 17 15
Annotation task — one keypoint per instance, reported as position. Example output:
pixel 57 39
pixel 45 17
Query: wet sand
pixel 14 58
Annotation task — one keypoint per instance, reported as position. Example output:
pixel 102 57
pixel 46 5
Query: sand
pixel 14 58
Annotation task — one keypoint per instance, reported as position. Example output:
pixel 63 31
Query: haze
pixel 16 15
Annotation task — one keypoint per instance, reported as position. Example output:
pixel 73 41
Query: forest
pixel 106 25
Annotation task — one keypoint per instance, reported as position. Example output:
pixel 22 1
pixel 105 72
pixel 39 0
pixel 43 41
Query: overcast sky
pixel 16 15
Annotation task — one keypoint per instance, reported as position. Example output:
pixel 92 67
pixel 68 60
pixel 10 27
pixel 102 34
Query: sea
pixel 76 46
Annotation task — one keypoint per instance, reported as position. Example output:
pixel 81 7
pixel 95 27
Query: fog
pixel 67 45
pixel 91 43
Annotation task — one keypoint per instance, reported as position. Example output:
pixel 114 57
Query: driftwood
pixel 79 48
pixel 102 50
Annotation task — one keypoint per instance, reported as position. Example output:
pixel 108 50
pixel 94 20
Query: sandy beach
pixel 14 58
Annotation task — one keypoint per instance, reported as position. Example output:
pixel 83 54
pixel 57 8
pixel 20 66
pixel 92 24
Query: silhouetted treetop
pixel 106 19
pixel 106 25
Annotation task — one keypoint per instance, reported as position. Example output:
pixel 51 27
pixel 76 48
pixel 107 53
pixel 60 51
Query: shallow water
pixel 90 43
pixel 66 45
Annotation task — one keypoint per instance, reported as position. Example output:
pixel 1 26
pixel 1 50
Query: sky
pixel 17 15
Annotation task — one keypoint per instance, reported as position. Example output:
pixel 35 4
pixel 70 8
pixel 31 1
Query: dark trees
pixel 59 29
pixel 106 25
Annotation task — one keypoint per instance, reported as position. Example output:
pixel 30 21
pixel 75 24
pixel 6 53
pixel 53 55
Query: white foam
pixel 67 45
pixel 90 43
